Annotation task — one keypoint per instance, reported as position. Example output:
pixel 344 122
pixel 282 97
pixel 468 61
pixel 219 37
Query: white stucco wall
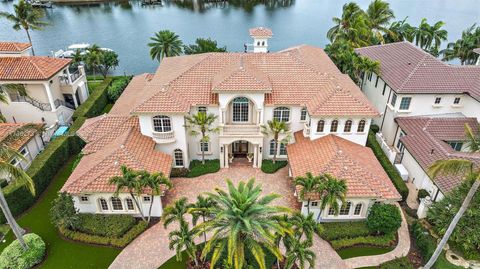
pixel 366 204
pixel 194 141
pixel 354 136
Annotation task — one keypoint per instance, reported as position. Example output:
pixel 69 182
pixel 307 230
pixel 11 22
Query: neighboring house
pixel 422 140
pixel 366 180
pixel 26 141
pixel 300 86
pixel 54 89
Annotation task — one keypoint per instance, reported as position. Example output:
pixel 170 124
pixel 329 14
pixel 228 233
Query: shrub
pixel 3 183
pixel 130 235
pixel 398 263
pixel 341 230
pixel 269 167
pixel 95 103
pixel 387 166
pixel 422 193
pixel 179 172
pixel 13 256
pixel 384 218
pixel 63 212
pixel 426 244
pixel 105 225
pixel 117 87
pixel 198 169
pixel 378 241
pixel 374 128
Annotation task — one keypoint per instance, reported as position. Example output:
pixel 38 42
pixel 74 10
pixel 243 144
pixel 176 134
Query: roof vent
pixel 432 151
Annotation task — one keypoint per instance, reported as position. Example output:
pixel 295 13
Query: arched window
pixel 348 126
pixel 320 126
pixel 358 209
pixel 258 43
pixel 283 149
pixel 103 204
pixel 240 109
pixel 116 203
pixel 345 209
pixel 361 126
pixel 162 124
pixel 272 147
pixel 178 156
pixel 129 204
pixel 281 114
pixel 263 43
pixel 334 126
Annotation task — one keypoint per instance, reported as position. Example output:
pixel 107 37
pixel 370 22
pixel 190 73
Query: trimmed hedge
pixel 119 242
pixel 387 166
pixel 398 263
pixel 341 230
pixel 426 244
pixel 377 241
pixel 95 103
pixel 198 169
pixel 13 256
pixel 269 167
pixel 105 225
pixel 179 172
pixel 422 193
pixel 117 87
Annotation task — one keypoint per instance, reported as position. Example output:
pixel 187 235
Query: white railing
pixel 389 151
pixel 240 130
pixel 306 130
pixel 163 137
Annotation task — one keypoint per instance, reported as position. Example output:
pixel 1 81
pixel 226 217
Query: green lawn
pixel 351 252
pixel 61 253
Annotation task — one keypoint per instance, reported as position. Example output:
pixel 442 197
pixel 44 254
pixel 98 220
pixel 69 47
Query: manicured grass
pixel 92 85
pixel 269 167
pixel 174 264
pixel 107 108
pixel 61 253
pixel 361 251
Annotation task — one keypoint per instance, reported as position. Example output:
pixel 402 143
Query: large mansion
pixel 300 86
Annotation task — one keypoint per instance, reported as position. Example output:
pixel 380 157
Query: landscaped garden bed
pixel 269 167
pixel 197 169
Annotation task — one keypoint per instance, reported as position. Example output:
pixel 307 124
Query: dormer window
pixel 162 124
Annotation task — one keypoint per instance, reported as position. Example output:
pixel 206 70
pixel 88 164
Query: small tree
pixel 203 45
pixel 154 183
pixel 298 254
pixel 108 60
pixel 201 123
pixel 275 128
pixel 129 180
pixel 201 209
pixel 332 191
pixel 175 212
pixel 384 218
pixel 63 212
pixel 310 185
pixel 183 239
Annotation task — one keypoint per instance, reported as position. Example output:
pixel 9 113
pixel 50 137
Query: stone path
pixel 412 201
pixel 402 249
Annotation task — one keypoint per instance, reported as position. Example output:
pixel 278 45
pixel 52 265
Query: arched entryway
pixel 240 152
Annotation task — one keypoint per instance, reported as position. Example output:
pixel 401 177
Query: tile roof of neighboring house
pixel 13 46
pixel 260 32
pixel 425 141
pixel 302 75
pixel 18 138
pixel 30 67
pixel 409 69
pixel 343 159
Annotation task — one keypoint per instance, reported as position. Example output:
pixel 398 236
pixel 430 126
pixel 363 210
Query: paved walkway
pixel 402 249
pixel 412 201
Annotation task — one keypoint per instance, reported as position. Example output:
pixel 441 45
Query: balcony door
pixel 240 108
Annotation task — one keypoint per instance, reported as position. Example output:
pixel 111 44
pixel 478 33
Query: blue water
pixel 126 27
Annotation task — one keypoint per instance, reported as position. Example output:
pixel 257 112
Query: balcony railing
pixel 306 129
pixel 240 130
pixel 73 77
pixel 163 137
pixel 38 104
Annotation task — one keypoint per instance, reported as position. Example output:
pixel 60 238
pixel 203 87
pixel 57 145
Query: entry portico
pixel 235 144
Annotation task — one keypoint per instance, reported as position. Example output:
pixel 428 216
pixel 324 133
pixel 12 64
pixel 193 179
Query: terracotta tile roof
pixel 128 147
pixel 260 32
pixel 30 67
pixel 13 46
pixel 425 140
pixel 20 138
pixel 293 77
pixel 343 159
pixel 409 69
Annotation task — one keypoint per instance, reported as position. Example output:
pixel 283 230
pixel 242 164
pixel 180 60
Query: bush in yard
pixel 269 167
pixel 63 212
pixel 14 257
pixel 374 128
pixel 422 193
pixel 386 240
pixel 398 263
pixel 117 87
pixel 179 172
pixel 426 244
pixel 384 218
pixel 198 169
pixel 342 230
pixel 105 225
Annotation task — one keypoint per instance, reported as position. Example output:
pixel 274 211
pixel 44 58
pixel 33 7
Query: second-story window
pixel 281 114
pixel 405 103
pixel 320 126
pixel 303 114
pixel 334 126
pixel 361 126
pixel 393 101
pixel 162 124
pixel 348 126
pixel 438 100
pixel 456 101
pixel 240 109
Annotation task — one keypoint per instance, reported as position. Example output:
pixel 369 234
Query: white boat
pixel 72 49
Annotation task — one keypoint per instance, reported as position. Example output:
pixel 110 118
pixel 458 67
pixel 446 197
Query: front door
pixel 240 149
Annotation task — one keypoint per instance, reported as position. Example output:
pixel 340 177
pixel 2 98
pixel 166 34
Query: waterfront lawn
pixel 61 253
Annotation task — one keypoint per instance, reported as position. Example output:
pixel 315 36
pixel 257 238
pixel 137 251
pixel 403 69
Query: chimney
pixel 260 36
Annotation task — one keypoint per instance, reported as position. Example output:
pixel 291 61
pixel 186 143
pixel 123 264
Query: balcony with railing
pixel 71 78
pixel 163 137
pixel 240 130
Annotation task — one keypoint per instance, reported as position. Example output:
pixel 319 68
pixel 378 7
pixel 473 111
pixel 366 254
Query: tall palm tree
pixel 243 221
pixel 18 177
pixel 304 226
pixel 165 43
pixel 93 57
pixel 310 184
pixel 332 190
pixel 129 180
pixel 352 26
pixel 201 124
pixel 176 212
pixel 299 253
pixel 473 143
pixel 276 128
pixel 154 182
pixel 379 15
pixel 183 240
pixel 25 17
pixel 399 31
pixel 462 49
pixel 201 209
pixel 429 37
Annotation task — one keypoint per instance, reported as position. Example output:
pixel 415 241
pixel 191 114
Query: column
pixel 222 156
pixel 69 77
pixel 50 97
pixel 255 155
pixel 259 156
pixel 225 152
pixel 74 96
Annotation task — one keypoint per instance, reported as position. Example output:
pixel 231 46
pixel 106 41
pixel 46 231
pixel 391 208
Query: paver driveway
pixel 150 250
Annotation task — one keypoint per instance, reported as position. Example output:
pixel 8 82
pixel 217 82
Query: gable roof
pixel 30 67
pixel 14 46
pixel 8 129
pixel 343 159
pixel 425 138
pixel 408 69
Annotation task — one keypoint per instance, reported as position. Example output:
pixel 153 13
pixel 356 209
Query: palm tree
pixel 176 212
pixel 332 190
pixel 463 47
pixel 18 177
pixel 93 57
pixel 154 182
pixel 352 26
pixel 429 37
pixel 275 128
pixel 77 58
pixel 304 226
pixel 379 15
pixel 473 143
pixel 129 180
pixel 165 43
pixel 201 208
pixel 203 45
pixel 299 253
pixel 399 31
pixel 310 184
pixel 11 88
pixel 25 17
pixel 201 123
pixel 364 65
pixel 243 221
pixel 183 239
